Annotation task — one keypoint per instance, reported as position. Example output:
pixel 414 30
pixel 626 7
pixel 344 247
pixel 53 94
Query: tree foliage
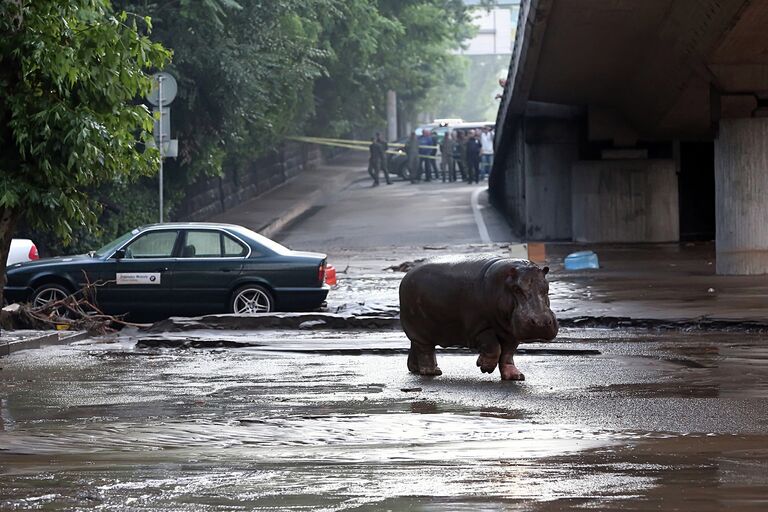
pixel 244 70
pixel 249 73
pixel 69 74
pixel 405 46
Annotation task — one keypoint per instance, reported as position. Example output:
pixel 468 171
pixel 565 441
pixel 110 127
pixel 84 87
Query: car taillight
pixel 33 253
pixel 321 273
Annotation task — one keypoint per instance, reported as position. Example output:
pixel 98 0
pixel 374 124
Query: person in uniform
pixel 446 161
pixel 473 157
pixel 460 155
pixel 412 150
pixel 433 154
pixel 374 161
pixel 383 146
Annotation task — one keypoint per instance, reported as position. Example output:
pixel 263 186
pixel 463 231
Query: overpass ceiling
pixel 653 61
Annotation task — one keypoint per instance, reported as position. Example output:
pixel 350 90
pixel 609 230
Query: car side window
pixel 155 244
pixel 232 248
pixel 202 244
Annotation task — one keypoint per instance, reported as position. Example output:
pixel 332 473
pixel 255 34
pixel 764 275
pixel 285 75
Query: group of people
pixel 466 155
pixel 469 156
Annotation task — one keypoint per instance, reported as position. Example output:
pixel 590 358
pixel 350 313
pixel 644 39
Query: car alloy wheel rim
pixel 48 296
pixel 252 300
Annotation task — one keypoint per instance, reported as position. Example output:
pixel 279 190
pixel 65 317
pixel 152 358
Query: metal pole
pixel 160 139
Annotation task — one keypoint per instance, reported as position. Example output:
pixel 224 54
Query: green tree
pixel 245 70
pixel 70 72
pixel 375 46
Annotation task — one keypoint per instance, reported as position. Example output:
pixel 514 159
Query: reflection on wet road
pixel 284 423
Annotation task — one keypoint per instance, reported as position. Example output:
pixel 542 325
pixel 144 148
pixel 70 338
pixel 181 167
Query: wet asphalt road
pixel 641 420
pixel 331 420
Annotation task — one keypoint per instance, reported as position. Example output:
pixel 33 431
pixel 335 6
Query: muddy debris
pixel 260 321
pixel 405 266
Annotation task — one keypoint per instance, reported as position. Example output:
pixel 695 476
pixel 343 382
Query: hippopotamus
pixel 486 303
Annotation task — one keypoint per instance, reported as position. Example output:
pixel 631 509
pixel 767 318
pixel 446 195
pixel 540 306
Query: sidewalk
pixel 274 210
pixel 673 283
pixel 13 341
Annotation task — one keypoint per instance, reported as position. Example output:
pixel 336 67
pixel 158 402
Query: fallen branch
pixel 75 311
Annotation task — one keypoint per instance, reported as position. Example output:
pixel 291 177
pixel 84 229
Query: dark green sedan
pixel 180 269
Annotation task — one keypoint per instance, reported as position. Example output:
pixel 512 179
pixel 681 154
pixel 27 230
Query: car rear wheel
pixel 48 293
pixel 251 298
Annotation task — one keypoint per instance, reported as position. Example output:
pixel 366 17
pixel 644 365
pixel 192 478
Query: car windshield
pixel 114 244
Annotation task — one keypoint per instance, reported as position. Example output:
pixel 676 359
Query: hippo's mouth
pixel 544 331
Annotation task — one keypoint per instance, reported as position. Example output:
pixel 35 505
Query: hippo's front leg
pixel 490 351
pixel 423 362
pixel 507 364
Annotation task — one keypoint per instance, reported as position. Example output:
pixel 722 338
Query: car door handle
pixel 225 269
pixel 163 269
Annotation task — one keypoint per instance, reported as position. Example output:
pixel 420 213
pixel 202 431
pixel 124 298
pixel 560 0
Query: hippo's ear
pixel 545 270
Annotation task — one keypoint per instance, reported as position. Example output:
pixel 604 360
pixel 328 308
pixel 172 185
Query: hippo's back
pixel 441 293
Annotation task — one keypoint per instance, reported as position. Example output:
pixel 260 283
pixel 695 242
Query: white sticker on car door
pixel 138 278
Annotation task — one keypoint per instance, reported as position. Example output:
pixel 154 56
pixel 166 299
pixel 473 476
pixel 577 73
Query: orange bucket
pixel 330 275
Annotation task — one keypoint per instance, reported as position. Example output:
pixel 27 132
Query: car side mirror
pixel 119 254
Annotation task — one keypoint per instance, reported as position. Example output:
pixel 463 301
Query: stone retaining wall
pixel 216 195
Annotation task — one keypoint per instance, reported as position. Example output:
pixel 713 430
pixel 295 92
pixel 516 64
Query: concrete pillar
pixel 391 115
pixel 551 148
pixel 741 196
pixel 625 201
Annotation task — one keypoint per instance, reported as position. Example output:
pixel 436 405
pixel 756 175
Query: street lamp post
pixel 160 137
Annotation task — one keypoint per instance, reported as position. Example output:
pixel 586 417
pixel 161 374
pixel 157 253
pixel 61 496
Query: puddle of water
pixel 265 429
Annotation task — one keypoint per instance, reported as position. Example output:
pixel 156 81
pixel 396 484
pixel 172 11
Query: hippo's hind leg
pixel 490 351
pixel 422 359
pixel 507 364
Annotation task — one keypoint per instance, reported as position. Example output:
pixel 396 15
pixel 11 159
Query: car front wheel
pixel 251 298
pixel 49 293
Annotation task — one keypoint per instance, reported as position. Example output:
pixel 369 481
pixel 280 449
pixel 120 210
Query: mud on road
pixel 322 420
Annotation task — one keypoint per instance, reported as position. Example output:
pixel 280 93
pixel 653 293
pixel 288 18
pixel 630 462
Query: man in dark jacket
pixel 384 164
pixel 473 157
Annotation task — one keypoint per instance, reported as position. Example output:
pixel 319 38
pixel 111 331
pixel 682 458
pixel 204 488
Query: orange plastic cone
pixel 330 275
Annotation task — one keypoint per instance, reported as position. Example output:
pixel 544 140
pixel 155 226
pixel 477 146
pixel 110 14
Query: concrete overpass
pixel 639 120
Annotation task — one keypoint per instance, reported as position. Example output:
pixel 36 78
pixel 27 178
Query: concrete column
pixel 625 201
pixel 391 115
pixel 741 196
pixel 551 148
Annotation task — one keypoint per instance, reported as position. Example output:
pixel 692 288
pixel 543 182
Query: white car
pixel 22 250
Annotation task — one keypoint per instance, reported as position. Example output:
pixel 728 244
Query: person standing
pixel 433 154
pixel 486 151
pixel 460 154
pixel 425 154
pixel 383 146
pixel 412 151
pixel 473 157
pixel 446 154
pixel 374 161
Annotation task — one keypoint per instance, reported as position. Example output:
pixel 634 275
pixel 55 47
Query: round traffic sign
pixel 169 88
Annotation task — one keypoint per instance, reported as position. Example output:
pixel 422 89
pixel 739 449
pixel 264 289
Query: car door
pixel 209 263
pixel 140 280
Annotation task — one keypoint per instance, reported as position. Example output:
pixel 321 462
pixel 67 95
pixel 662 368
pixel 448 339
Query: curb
pixel 36 342
pixel 273 227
